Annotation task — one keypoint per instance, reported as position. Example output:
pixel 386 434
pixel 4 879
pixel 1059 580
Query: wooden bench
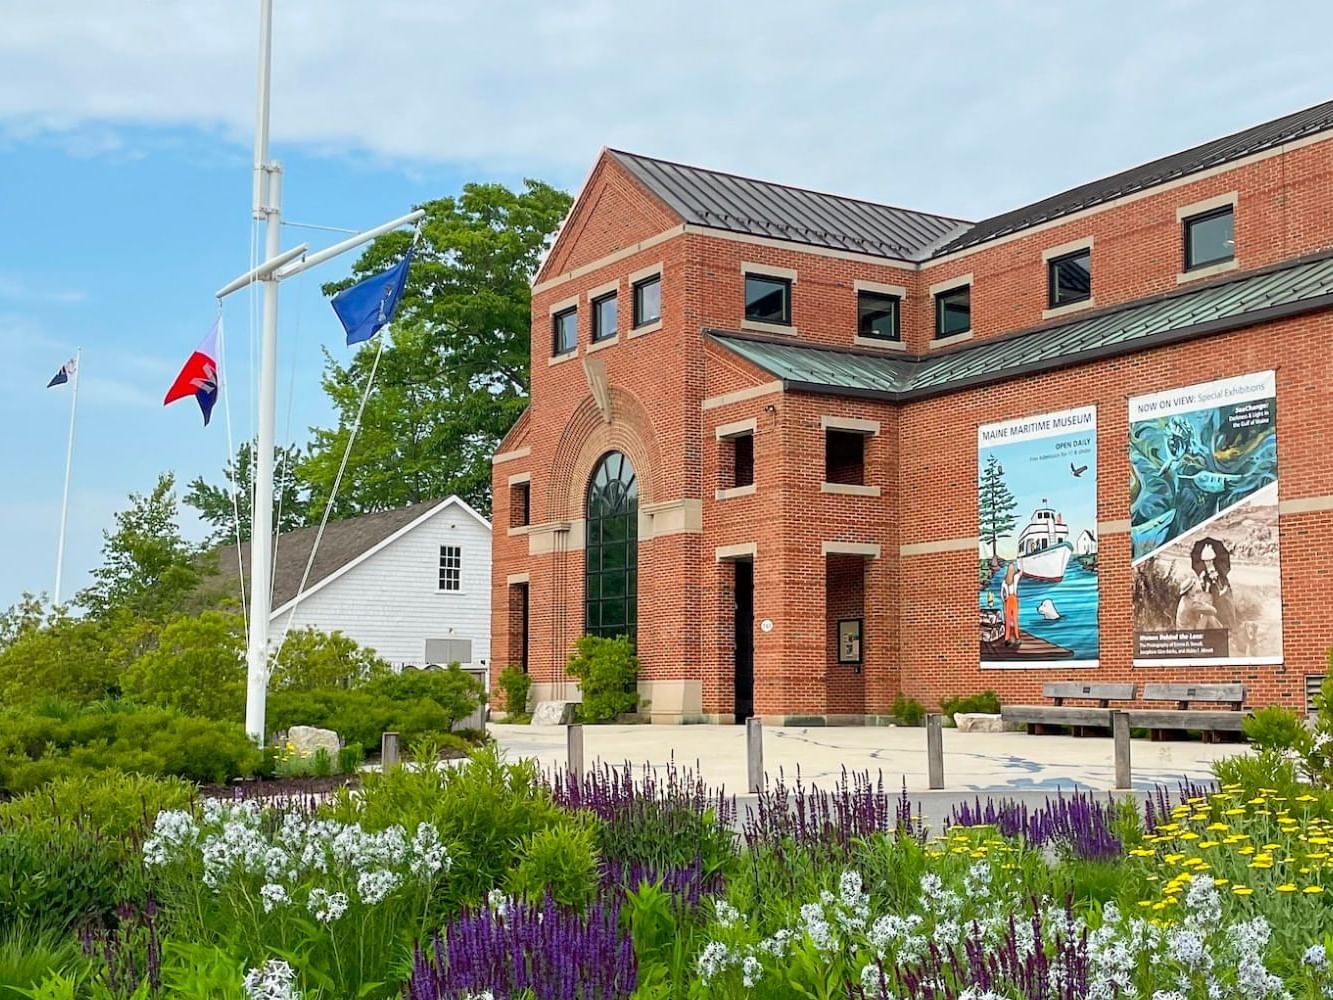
pixel 1210 721
pixel 1037 717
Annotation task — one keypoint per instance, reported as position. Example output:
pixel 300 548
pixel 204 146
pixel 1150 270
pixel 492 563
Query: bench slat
pixel 1152 718
pixel 1194 692
pixel 1098 692
pixel 1056 715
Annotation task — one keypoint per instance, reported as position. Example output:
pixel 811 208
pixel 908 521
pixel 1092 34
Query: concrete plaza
pixel 973 762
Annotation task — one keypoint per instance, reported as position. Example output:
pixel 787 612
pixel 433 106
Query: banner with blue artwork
pixel 1203 495
pixel 1037 513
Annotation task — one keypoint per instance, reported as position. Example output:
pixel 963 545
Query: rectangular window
pixel 604 317
pixel 953 311
pixel 767 300
pixel 844 457
pixel 742 460
pixel 1069 278
pixel 451 567
pixel 520 505
pixel 565 331
pixel 877 315
pixel 1210 238
pixel 648 301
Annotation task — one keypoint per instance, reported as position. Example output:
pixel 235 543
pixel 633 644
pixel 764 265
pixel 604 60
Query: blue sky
pixel 125 134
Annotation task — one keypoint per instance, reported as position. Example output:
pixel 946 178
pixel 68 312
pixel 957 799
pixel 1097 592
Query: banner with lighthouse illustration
pixel 1037 510
pixel 1203 499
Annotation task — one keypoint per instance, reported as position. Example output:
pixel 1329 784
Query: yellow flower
pixel 1218 827
pixel 1307 797
pixel 1171 859
pixel 1313 890
pixel 1286 887
pixel 1272 847
pixel 1221 881
pixel 1145 902
pixel 1242 890
pixel 1140 852
pixel 1189 835
pixel 1256 801
pixel 1261 864
pixel 1321 841
pixel 1205 844
pixel 1236 811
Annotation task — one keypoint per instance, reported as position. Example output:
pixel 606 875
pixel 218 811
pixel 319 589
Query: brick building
pixel 753 435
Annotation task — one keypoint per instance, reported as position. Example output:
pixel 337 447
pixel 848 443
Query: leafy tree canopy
pixel 217 506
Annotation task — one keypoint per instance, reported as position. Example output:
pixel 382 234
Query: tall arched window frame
pixel 611 603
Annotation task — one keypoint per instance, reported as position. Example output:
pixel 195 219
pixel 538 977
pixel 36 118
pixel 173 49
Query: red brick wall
pixel 919 610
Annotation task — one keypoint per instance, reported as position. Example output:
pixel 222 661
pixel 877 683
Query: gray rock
pixel 553 713
pixel 977 722
pixel 305 740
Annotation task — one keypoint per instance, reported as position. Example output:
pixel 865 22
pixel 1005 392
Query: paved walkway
pixel 983 762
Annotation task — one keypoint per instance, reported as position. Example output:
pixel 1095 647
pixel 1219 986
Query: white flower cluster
pixel 1200 948
pixel 231 843
pixel 274 980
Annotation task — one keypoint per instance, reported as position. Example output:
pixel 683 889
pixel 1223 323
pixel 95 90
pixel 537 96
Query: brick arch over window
pixel 587 437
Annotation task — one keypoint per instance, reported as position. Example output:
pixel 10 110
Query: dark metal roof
pixel 1209 154
pixel 761 208
pixel 1293 288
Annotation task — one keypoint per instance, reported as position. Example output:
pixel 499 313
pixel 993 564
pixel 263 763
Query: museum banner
pixel 1203 521
pixel 1037 544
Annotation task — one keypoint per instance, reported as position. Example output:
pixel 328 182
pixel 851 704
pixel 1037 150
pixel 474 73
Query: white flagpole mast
pixel 69 467
pixel 266 204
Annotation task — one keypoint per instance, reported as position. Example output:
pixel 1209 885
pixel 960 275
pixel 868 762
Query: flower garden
pixel 494 880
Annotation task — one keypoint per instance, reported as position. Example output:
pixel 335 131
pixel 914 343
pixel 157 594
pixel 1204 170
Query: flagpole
pixel 69 466
pixel 267 202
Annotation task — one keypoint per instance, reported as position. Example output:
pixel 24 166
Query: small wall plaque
pixel 766 625
pixel 849 640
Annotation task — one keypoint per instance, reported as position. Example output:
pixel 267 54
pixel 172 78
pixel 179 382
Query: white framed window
pixel 451 567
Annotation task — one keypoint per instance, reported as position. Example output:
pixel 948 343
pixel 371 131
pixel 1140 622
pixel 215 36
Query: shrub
pixel 197 668
pixel 113 805
pixel 517 686
pixel 72 659
pixel 54 879
pixel 311 660
pixel 559 861
pixel 606 669
pixel 350 758
pixel 456 693
pixel 988 703
pixel 1276 728
pixel 909 711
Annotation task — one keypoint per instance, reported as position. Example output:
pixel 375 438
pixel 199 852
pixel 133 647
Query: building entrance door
pixel 744 639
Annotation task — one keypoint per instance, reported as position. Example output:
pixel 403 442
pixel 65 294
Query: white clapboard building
pixel 412 584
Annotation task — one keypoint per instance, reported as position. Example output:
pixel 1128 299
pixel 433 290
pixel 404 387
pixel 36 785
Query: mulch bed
pixel 280 788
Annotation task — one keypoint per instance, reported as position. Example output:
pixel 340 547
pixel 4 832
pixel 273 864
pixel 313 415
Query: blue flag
pixel 368 305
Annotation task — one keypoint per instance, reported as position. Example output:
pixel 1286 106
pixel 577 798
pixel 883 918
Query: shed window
pixel 451 567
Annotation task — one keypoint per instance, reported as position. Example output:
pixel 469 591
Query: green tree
pixel 147 568
pixel 76 660
pixel 312 660
pixel 454 375
pixel 214 503
pixel 26 615
pixel 997 505
pixel 198 667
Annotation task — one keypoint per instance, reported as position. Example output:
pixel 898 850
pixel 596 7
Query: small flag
pixel 368 305
pixel 199 377
pixel 66 371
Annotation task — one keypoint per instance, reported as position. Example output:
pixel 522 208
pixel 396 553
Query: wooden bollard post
pixel 935 750
pixel 1120 733
pixel 388 752
pixel 574 738
pixel 754 754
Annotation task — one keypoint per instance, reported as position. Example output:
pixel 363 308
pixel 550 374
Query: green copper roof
pixel 1242 301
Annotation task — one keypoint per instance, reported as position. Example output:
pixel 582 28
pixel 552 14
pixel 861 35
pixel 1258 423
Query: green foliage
pixel 454 376
pixel 484 812
pixel 24 616
pixel 219 505
pixel 988 703
pixel 311 660
pixel 1267 768
pixel 1276 728
pixel 56 878
pixel 561 861
pixel 112 804
pixel 350 758
pixel 606 669
pixel 28 957
pixel 197 668
pixel 35 749
pixel 76 659
pixel 416 704
pixel 909 711
pixel 147 568
pixel 517 686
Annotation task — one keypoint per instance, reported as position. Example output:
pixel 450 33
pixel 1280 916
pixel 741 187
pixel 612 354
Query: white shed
pixel 1086 543
pixel 412 584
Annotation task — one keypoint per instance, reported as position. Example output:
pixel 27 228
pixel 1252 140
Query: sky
pixel 126 136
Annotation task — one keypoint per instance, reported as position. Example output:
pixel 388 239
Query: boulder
pixel 977 722
pixel 305 740
pixel 553 713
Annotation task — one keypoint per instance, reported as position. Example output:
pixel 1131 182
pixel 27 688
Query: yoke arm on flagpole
pixel 262 271
pixel 348 244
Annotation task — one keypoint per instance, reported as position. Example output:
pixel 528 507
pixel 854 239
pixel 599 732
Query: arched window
pixel 612 548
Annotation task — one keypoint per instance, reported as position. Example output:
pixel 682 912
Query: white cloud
pixel 954 107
